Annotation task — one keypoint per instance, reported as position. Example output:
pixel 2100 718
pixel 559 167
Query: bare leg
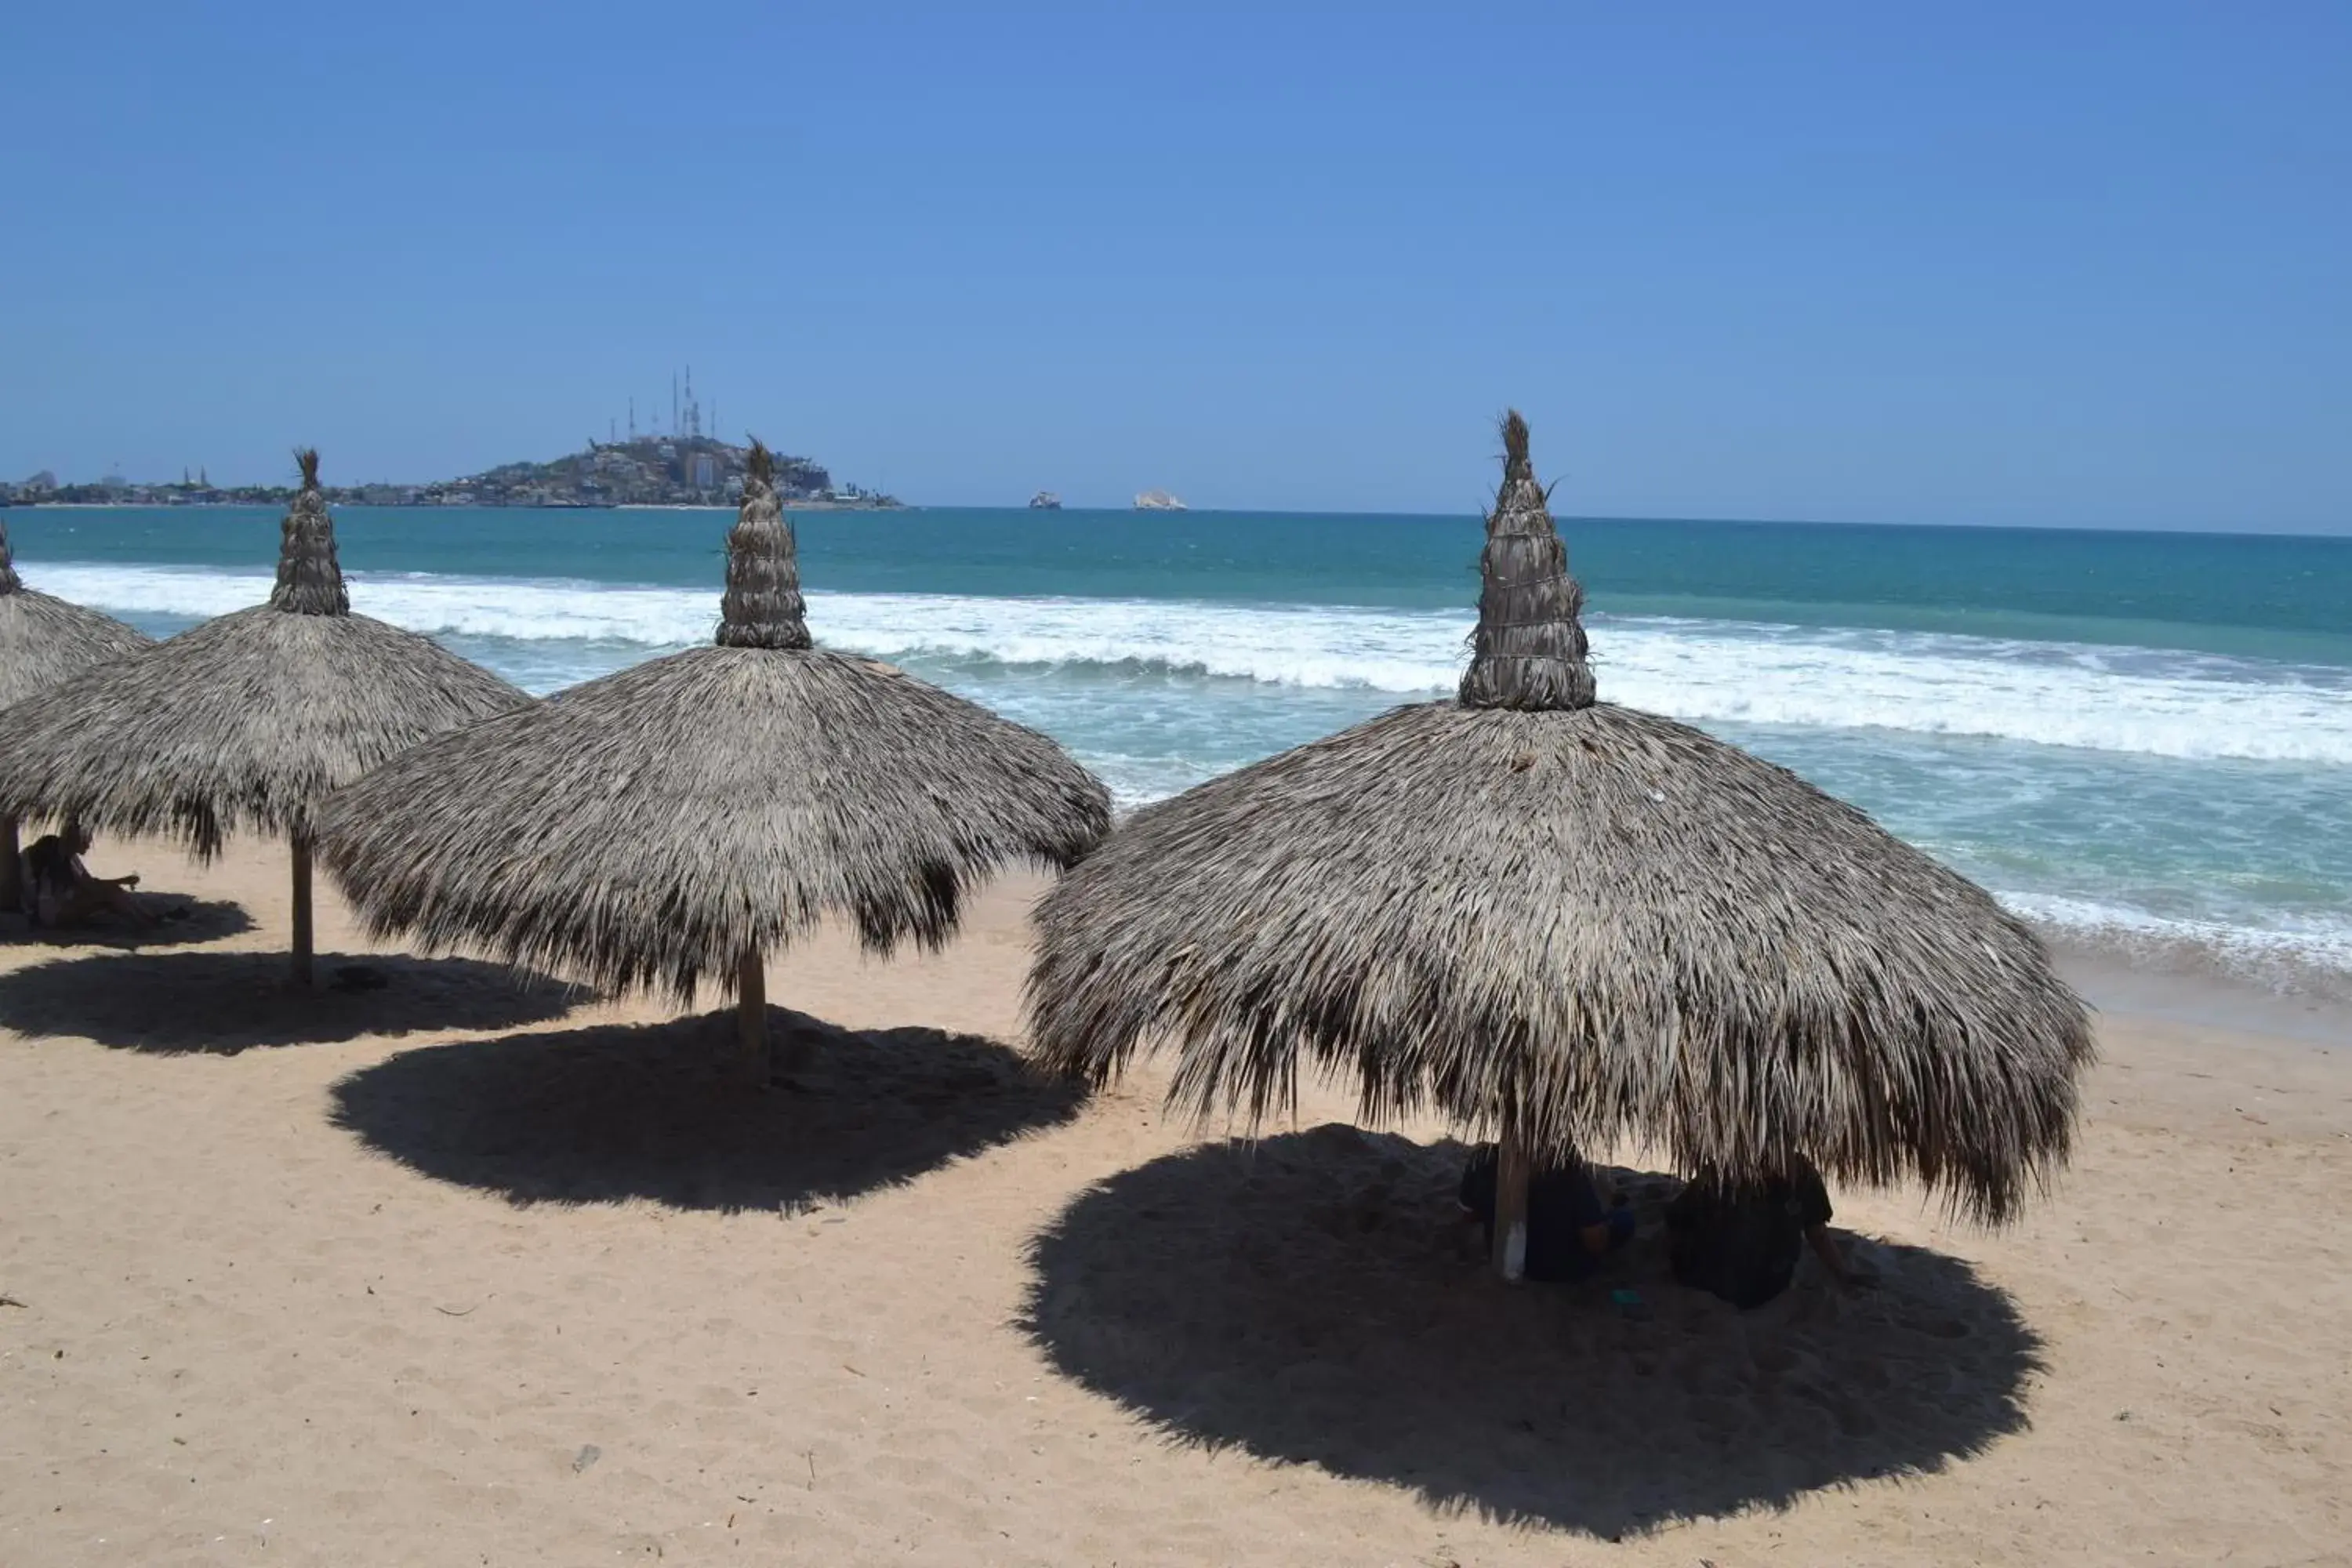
pixel 92 898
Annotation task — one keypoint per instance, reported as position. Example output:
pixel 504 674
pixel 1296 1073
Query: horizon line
pixel 2339 531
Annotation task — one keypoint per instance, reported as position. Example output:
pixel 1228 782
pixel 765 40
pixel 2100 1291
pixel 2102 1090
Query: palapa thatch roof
pixel 243 723
pixel 656 825
pixel 1531 909
pixel 44 640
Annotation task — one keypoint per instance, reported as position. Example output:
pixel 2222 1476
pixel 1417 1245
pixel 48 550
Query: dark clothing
pixel 49 864
pixel 1743 1243
pixel 1560 1204
pixel 52 872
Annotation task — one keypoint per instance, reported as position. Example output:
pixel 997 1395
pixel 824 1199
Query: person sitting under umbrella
pixel 61 891
pixel 1742 1242
pixel 1569 1229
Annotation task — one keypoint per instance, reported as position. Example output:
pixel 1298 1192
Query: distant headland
pixel 644 470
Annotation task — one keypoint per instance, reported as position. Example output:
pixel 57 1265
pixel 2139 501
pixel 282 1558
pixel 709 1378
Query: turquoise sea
pixel 2140 741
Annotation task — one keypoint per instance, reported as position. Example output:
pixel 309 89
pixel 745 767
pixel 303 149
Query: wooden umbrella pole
pixel 11 875
pixel 302 974
pixel 1510 1204
pixel 751 1014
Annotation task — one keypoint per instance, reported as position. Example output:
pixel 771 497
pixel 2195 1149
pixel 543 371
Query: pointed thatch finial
pixel 762 608
pixel 1528 650
pixel 9 581
pixel 309 578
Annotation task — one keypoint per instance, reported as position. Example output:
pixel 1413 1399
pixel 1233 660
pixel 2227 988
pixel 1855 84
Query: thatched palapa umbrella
pixel 44 640
pixel 1567 921
pixel 245 722
pixel 679 819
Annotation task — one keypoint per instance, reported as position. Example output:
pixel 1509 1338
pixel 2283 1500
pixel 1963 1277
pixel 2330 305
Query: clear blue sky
pixel 2082 264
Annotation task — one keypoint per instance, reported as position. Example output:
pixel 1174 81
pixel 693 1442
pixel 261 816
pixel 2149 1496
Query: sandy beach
pixel 459 1270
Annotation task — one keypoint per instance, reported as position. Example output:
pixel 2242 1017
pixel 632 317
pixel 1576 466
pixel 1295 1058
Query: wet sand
pixel 453 1270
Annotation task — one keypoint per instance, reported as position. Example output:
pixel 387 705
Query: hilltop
pixel 647 470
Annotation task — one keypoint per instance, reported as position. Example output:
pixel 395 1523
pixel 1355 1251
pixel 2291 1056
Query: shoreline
pixel 2074 780
pixel 790 507
pixel 2199 996
pixel 2178 984
pixel 436 506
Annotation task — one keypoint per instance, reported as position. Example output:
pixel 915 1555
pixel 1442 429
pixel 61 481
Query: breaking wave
pixel 2154 702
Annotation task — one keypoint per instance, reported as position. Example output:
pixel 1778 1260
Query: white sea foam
pixel 149 590
pixel 1065 664
pixel 521 611
pixel 2154 702
pixel 2312 956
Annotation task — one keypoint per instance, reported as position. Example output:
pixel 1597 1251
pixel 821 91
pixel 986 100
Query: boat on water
pixel 1044 501
pixel 1157 500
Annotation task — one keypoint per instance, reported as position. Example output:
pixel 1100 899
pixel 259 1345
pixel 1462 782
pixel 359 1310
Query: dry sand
pixel 455 1271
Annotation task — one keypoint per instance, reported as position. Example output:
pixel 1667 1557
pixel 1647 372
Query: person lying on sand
pixel 1569 1229
pixel 61 891
pixel 1743 1242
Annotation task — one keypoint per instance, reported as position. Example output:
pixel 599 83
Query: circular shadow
pixel 1310 1299
pixel 612 1112
pixel 193 921
pixel 224 1002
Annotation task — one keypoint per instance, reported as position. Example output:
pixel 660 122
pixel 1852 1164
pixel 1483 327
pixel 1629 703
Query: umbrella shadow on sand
pixel 224 1002
pixel 610 1113
pixel 196 920
pixel 1308 1300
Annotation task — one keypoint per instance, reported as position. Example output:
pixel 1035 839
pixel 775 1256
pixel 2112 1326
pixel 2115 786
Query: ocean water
pixel 2142 741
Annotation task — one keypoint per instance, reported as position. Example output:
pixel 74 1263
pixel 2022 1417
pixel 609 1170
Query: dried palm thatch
pixel 678 820
pixel 43 641
pixel 242 724
pixel 1567 920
